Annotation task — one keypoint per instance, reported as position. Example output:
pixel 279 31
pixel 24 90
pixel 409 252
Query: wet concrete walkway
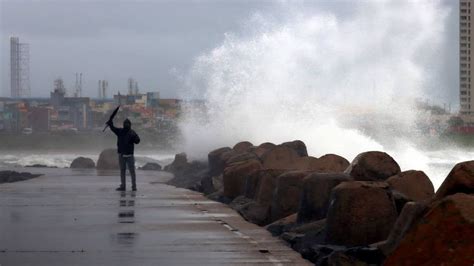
pixel 74 217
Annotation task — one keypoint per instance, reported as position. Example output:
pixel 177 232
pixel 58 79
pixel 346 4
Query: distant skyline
pixel 155 42
pixel 152 41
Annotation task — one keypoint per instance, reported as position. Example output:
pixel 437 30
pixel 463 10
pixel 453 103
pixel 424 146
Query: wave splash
pixel 341 85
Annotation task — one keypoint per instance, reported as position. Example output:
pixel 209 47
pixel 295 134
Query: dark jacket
pixel 126 139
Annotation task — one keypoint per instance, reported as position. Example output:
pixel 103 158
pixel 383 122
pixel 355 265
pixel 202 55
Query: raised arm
pixel 110 123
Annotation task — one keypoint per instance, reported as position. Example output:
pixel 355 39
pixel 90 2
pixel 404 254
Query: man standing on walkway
pixel 126 140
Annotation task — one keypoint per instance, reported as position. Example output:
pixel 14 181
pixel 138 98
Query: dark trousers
pixel 125 161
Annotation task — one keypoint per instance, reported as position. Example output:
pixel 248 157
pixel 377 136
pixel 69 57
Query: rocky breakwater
pixel 367 212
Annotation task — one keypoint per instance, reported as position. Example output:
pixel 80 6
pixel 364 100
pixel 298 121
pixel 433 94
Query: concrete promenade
pixel 75 217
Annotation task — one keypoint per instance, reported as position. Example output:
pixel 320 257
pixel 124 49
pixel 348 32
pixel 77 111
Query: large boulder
pixel 298 146
pixel 283 225
pixel 187 174
pixel 267 183
pixel 416 185
pixel 287 193
pixel 331 163
pixel 444 236
pixel 82 162
pixel 151 167
pixel 306 163
pixel 373 166
pixel 316 193
pixel 360 213
pixel 241 157
pixel 410 215
pixel 235 177
pixel 242 146
pixel 108 160
pixel 255 212
pixel 459 180
pixel 216 162
pixel 259 210
pixel 252 183
pixel 280 157
pixel 179 164
pixel 263 148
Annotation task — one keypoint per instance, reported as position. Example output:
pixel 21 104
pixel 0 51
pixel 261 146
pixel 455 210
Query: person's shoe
pixel 121 188
pixel 134 188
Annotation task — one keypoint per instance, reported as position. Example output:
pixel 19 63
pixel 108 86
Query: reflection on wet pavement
pixel 126 215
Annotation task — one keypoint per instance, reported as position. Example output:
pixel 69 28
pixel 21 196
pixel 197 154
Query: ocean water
pixel 64 159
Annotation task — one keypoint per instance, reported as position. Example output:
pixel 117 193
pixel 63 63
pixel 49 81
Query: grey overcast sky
pixel 153 41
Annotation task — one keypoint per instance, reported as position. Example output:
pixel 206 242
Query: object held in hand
pixel 111 118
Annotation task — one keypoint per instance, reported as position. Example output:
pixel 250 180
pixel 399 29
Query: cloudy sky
pixel 155 42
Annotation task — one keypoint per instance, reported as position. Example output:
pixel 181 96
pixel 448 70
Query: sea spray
pixel 342 86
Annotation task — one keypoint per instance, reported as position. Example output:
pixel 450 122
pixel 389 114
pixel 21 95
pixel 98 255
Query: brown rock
pixel 306 163
pixel 280 157
pixel 242 146
pixel 240 157
pixel 82 162
pixel 410 215
pixel 316 193
pixel 298 146
pixel 151 167
pixel 331 163
pixel 179 164
pixel 216 163
pixel 360 213
pixel 268 178
pixel 258 211
pixel 108 160
pixel 252 183
pixel 414 184
pixel 314 226
pixel 459 180
pixel 444 236
pixel 283 225
pixel 373 166
pixel 235 177
pixel 286 196
pixel 263 148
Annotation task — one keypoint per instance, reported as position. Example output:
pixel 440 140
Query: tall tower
pixel 103 85
pixel 19 68
pixel 466 33
pixel 78 85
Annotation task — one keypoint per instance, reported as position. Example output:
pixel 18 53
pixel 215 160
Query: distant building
pixel 57 97
pixel 40 119
pixel 152 99
pixel 19 69
pixel 466 75
pixel 75 111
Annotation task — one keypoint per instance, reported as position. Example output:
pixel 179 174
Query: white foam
pixel 321 79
